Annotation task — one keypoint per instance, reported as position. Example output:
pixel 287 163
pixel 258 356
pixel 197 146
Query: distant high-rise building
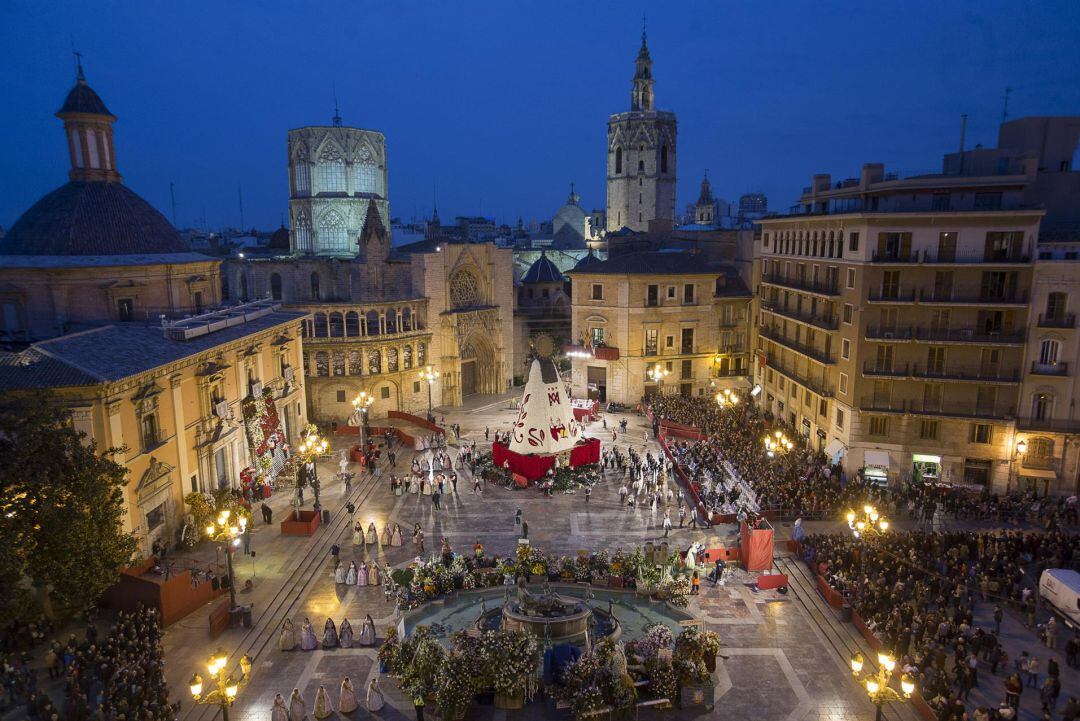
pixel 641 157
pixel 753 204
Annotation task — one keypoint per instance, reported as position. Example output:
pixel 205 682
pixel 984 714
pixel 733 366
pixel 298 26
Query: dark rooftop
pixel 543 271
pixel 33 369
pixel 83 99
pixel 652 263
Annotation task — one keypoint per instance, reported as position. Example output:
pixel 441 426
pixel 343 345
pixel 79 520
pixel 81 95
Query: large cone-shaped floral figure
pixel 545 423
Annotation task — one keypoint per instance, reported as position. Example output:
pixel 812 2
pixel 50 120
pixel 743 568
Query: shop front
pixel 834 451
pixel 1036 480
pixel 925 468
pixel 876 467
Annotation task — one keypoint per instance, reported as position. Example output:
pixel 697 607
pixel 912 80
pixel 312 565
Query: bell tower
pixel 641 156
pixel 88 127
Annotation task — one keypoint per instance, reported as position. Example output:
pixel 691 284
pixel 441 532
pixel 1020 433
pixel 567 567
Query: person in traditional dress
pixel 350 577
pixel 308 640
pixel 361 574
pixel 297 707
pixel 329 636
pixel 372 534
pixel 280 712
pixel 373 574
pixel 414 484
pixel 367 633
pixel 323 708
pixel 347 702
pixel 357 534
pixel 375 700
pixel 387 534
pixel 287 638
pixel 340 573
pixel 345 637
pixel 396 539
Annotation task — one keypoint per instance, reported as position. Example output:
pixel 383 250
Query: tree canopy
pixel 61 510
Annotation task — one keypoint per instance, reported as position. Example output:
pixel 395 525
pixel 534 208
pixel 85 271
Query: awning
pixel 1037 473
pixel 876 458
pixel 835 447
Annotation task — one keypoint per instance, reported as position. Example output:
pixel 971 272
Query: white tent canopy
pixel 545 422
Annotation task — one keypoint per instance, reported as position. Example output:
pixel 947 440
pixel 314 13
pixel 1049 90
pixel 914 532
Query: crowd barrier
pixel 174 597
pixel 416 421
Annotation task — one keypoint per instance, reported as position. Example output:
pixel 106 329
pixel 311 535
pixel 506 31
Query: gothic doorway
pixel 469 378
pixel 477 367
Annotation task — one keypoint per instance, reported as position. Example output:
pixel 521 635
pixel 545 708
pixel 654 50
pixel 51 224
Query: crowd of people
pixel 121 677
pixel 918 593
pixel 799 481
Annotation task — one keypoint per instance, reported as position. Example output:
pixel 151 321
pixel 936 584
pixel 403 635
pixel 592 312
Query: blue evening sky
pixel 502 104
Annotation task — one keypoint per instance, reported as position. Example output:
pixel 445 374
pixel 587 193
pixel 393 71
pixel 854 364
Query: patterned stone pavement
pixel 779 665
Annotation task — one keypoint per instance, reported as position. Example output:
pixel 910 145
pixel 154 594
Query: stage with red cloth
pixel 584 410
pixel 534 466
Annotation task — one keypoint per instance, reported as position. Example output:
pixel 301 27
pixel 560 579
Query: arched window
pixel 302 232
pixel 406 320
pixel 1048 352
pixel 330 172
pixel 1042 407
pixel 339 364
pixel 618 161
pixel 92 148
pixel 641 166
pixel 365 178
pixel 391 360
pixel 373 323
pixel 374 362
pixel 76 148
pixel 356 366
pixel 406 357
pixel 315 295
pixel 663 158
pixel 421 353
pixel 322 364
pixel 319 327
pixel 302 176
pixel 352 324
pixel 333 234
pixel 337 325
pixel 275 286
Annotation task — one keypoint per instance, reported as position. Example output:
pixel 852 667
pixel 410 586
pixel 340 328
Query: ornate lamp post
pixel 222 689
pixel 868 522
pixel 726 398
pixel 311 447
pixel 777 443
pixel 657 374
pixel 224 532
pixel 430 375
pixel 362 402
pixel 1021 449
pixel 877 684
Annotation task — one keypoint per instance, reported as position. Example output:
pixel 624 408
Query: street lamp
pixel 877 683
pixel 727 397
pixel 223 531
pixel 430 375
pixel 1021 449
pixel 869 521
pixel 362 402
pixel 311 447
pixel 223 688
pixel 657 374
pixel 777 443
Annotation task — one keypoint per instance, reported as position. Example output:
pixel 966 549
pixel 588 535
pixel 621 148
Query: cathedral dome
pixel 587 261
pixel 543 271
pixel 92 218
pixel 83 99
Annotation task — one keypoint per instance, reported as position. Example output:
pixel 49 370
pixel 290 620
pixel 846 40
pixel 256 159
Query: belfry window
pixel 92 148
pixel 366 178
pixel 618 160
pixel 663 159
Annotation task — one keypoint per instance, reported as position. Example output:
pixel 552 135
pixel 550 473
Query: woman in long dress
pixel 287 639
pixel 323 708
pixel 396 539
pixel 414 484
pixel 387 534
pixel 308 640
pixel 345 637
pixel 329 636
pixel 361 575
pixel 340 573
pixel 372 534
pixel 350 576
pixel 347 702
pixel 297 707
pixel 375 700
pixel 280 712
pixel 357 534
pixel 373 574
pixel 367 633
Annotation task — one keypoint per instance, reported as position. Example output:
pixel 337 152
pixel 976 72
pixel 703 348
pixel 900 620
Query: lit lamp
pixel 429 375
pixel 223 688
pixel 727 397
pixel 362 402
pixel 311 447
pixel 777 443
pixel 870 520
pixel 657 374
pixel 877 683
pixel 228 534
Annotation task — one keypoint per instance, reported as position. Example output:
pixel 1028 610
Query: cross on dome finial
pixel 78 66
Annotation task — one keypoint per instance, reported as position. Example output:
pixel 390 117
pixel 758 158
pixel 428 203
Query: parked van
pixel 1060 588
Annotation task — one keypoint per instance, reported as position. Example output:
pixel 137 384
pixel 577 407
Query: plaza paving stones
pixel 779 666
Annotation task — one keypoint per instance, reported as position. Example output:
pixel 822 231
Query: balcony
pixel 889 258
pixel 887 297
pixel 966 375
pixel 820 356
pixel 606 353
pixel 816 386
pixel 898 335
pixel 873 370
pixel 1058 425
pixel 950 410
pixel 881 405
pixel 807 286
pixel 817 322
pixel 992 300
pixel 938 258
pixel 968 335
pixel 1066 320
pixel 1049 369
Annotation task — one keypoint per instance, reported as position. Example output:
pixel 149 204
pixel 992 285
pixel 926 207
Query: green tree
pixel 61 511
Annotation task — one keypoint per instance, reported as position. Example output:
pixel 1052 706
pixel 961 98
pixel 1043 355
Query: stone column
pixel 182 446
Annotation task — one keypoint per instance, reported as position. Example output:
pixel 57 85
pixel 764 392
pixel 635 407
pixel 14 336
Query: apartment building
pixel 891 319
pixel 674 308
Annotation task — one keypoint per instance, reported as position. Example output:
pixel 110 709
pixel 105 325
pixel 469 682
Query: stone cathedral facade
pixel 377 314
pixel 641 157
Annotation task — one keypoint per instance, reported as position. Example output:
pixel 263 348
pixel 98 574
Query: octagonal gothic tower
pixel 335 174
pixel 641 156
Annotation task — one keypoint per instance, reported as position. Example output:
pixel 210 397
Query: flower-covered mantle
pixel 266 440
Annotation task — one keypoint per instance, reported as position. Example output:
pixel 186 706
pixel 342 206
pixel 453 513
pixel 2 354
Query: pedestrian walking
pixel 998 615
pixel 435 496
pixel 524 529
pixel 517 517
pixel 667 524
pixel 267 513
pixel 588 492
pixel 682 516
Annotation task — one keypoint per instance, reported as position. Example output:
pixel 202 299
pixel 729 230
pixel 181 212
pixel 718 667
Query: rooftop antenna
pixel 337 115
pixel 172 197
pixel 1005 106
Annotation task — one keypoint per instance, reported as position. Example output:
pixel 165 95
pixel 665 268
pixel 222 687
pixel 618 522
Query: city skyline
pixel 181 120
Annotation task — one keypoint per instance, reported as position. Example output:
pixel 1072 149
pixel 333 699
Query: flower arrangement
pixel 262 427
pixel 662 680
pixel 513 656
pixel 599 677
pixel 454 691
pixel 425 659
pixel 676 590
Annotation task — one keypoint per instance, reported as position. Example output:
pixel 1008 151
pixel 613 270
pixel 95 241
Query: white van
pixel 1060 588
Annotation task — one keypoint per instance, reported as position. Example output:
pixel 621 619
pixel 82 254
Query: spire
pixel 373 224
pixel 337 115
pixel 574 197
pixel 641 97
pixel 706 196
